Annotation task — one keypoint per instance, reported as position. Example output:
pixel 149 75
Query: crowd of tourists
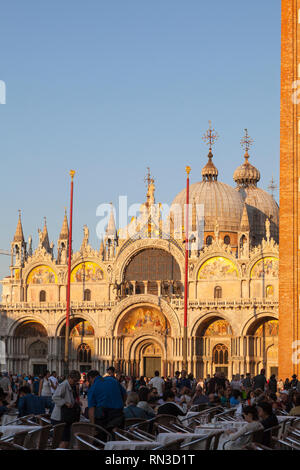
pixel 111 399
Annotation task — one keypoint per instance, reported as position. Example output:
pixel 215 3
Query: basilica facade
pixel 127 298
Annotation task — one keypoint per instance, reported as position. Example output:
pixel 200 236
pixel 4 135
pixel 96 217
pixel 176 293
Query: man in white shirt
pixel 158 383
pixel 53 382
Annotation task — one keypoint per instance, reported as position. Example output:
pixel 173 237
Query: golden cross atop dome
pixel 246 141
pixel 210 136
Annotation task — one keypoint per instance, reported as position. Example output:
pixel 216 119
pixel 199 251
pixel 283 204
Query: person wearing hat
pixel 294 381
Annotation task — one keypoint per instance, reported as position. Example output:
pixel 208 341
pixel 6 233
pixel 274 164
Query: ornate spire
pixel 111 231
pixel 272 186
pixel 64 233
pixel 45 236
pixel 209 171
pixel 19 236
pixel 245 225
pixel 246 174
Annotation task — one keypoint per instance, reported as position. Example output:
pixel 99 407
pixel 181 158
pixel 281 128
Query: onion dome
pixel 209 171
pixel 246 174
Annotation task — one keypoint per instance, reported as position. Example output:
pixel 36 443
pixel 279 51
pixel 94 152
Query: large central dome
pixel 221 203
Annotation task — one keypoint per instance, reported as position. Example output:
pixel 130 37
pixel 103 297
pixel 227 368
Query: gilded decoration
pixel 219 328
pixel 87 272
pixel 218 268
pixel 269 328
pixel 42 275
pixel 144 319
pixel 266 267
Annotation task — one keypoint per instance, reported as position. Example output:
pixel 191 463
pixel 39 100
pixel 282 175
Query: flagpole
pixel 184 348
pixel 72 173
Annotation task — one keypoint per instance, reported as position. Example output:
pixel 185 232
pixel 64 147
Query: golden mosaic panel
pixel 144 319
pixel 42 275
pixel 87 272
pixel 265 267
pixel 218 268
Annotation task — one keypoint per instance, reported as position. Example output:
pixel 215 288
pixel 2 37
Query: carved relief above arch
pixel 27 319
pixel 81 316
pixel 120 310
pixel 257 320
pixel 129 252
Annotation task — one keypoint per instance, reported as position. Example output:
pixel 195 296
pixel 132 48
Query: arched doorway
pixel 32 342
pixel 144 332
pixel 213 347
pixel 151 355
pixel 263 345
pixel 81 346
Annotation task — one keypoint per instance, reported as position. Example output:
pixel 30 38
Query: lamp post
pixel 72 173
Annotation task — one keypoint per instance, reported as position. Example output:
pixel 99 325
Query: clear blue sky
pixel 111 87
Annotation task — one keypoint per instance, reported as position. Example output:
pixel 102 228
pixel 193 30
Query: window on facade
pixel 87 295
pixel 209 240
pixel 220 354
pixel 42 296
pixel 227 240
pixel 152 264
pixel 218 292
pixel 84 353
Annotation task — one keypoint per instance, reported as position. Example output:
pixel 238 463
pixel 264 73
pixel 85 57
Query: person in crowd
pixel 110 372
pixel 224 396
pixel 184 381
pixel 4 406
pixel 235 398
pixel 170 407
pixel 53 382
pixel 158 382
pixel 268 419
pixel 132 410
pixel 199 398
pixel 294 382
pixel 280 385
pixel 272 384
pixel 176 379
pixel 247 383
pixel 66 406
pixel 259 381
pixel 239 439
pixel 285 402
pixel 236 383
pixel 287 384
pixel 36 385
pixel 141 382
pixel 193 382
pixel 144 402
pixel 106 398
pixel 295 411
pixel 185 398
pixel 28 403
pixel 5 384
pixel 250 399
pixel 45 390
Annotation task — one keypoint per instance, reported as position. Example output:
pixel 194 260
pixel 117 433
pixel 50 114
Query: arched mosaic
pixel 87 272
pixel 144 319
pixel 84 328
pixel 42 275
pixel 218 328
pixel 265 267
pixel 218 268
pixel 268 328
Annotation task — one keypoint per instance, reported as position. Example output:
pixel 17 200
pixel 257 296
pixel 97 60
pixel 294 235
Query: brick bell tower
pixel 289 246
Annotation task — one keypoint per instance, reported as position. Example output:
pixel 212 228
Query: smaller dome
pixel 209 171
pixel 246 174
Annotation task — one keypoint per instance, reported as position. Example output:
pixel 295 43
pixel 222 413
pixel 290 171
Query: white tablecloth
pixel 164 438
pixel 11 429
pixel 130 445
pixel 6 419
